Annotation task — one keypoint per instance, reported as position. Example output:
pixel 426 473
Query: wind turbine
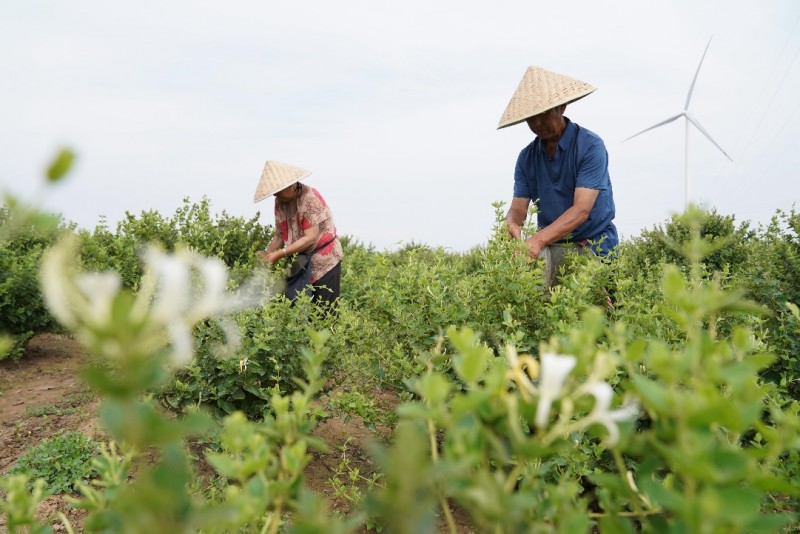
pixel 689 119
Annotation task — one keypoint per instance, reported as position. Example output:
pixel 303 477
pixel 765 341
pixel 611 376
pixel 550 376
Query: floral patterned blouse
pixel 307 210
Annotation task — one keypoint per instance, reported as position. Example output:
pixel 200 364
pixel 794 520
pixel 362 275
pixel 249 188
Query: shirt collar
pixel 567 136
pixel 570 131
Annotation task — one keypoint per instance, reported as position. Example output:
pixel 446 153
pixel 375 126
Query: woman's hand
pixel 273 257
pixel 270 257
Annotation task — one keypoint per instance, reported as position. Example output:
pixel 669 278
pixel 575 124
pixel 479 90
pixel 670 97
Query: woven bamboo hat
pixel 276 176
pixel 539 91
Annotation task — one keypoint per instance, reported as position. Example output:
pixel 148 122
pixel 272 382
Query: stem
pixel 274 520
pixel 511 481
pixel 66 523
pixel 432 437
pixel 643 513
pixel 451 524
pixel 623 471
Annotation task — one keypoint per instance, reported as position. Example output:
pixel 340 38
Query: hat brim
pixel 542 109
pixel 277 176
pixel 264 196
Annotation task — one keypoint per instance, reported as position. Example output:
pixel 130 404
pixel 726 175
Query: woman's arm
pixel 309 239
pixel 276 244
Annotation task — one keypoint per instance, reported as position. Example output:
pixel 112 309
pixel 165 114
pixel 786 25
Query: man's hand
pixel 514 230
pixel 535 246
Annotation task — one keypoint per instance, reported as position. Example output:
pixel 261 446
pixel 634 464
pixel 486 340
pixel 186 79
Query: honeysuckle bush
pixel 419 292
pixel 663 243
pixel 395 309
pixel 592 428
pixel 771 277
pixel 557 452
pixel 25 233
pixel 496 290
pixel 234 240
pixel 268 359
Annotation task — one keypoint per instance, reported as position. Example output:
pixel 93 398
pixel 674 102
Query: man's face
pixel 549 124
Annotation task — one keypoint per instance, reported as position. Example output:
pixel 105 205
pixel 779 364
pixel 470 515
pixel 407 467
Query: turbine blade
pixel 662 123
pixel 691 87
pixel 704 132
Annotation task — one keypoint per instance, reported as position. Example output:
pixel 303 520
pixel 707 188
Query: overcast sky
pixel 392 106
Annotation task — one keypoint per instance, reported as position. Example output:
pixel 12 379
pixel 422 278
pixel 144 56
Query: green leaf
pixel 413 410
pixel 473 357
pixel 739 504
pixel 771 522
pixel 635 350
pixel 222 463
pixel 652 393
pixel 60 165
pixel 674 283
pixel 614 525
pixel 435 388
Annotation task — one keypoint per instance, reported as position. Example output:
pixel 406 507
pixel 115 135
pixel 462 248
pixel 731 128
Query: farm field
pixel 450 392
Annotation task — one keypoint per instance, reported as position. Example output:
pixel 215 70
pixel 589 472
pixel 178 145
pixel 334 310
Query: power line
pixel 753 108
pixel 774 160
pixel 775 93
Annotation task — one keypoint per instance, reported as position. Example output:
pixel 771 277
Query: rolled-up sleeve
pixel 593 166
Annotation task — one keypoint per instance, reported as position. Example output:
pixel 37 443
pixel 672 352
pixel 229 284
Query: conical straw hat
pixel 276 176
pixel 539 91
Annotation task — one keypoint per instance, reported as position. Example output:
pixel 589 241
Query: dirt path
pixel 41 395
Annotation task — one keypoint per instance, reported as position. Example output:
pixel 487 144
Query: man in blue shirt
pixel 565 169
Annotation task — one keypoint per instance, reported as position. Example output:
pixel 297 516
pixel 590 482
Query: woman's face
pixel 287 193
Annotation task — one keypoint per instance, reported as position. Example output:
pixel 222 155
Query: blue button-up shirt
pixel 581 160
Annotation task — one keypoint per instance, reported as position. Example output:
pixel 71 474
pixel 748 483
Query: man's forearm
pixel 562 227
pixel 515 217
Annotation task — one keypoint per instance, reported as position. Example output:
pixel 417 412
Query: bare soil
pixel 43 395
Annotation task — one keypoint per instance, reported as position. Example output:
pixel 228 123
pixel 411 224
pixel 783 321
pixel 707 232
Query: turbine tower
pixel 689 119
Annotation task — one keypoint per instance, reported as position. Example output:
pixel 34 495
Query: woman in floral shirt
pixel 303 223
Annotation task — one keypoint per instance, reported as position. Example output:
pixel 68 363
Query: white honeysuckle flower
pixel 56 287
pixel 518 373
pixel 215 278
pixel 176 304
pixel 100 290
pixel 145 295
pixel 180 336
pixel 602 414
pixel 181 306
pixel 602 365
pixel 174 284
pixel 177 291
pixel 233 336
pixel 555 369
